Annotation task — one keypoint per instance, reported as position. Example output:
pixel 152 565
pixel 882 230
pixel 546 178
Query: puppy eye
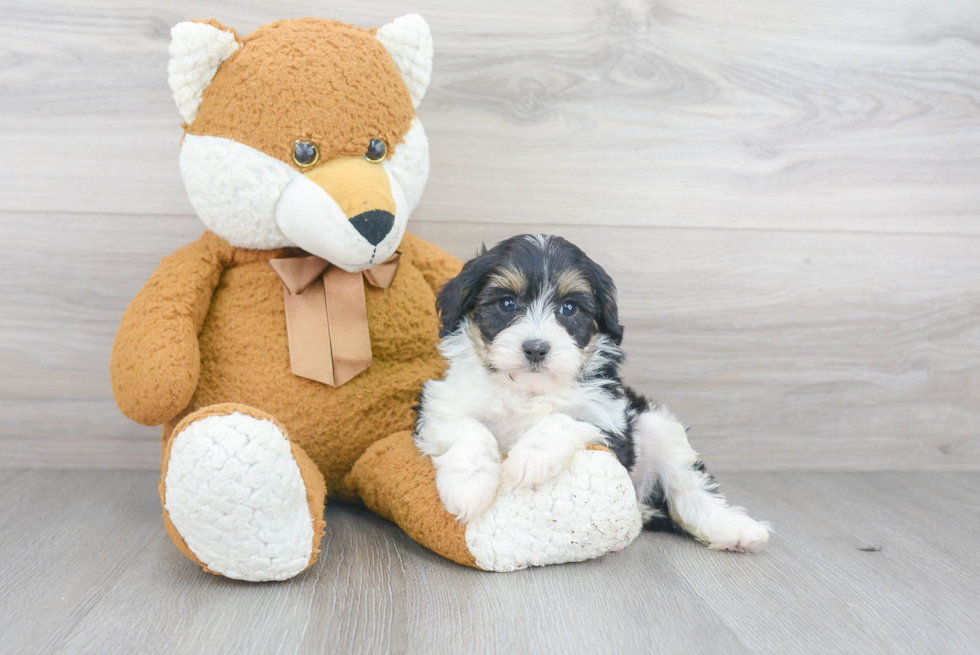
pixel 376 151
pixel 507 305
pixel 568 308
pixel 305 154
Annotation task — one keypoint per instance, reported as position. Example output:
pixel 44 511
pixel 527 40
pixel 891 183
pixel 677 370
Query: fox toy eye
pixel 507 305
pixel 376 151
pixel 305 154
pixel 568 308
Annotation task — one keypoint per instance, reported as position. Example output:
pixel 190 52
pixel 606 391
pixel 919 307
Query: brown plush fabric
pixel 210 328
pixel 328 82
pixel 394 480
pixel 156 359
pixel 316 496
pixel 224 28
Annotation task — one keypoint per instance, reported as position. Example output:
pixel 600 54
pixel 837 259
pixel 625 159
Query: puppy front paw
pixel 467 493
pixel 529 464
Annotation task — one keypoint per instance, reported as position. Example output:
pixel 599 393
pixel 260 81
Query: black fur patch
pixel 540 260
pixel 660 521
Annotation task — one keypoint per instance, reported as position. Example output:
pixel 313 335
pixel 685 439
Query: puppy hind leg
pixel 672 482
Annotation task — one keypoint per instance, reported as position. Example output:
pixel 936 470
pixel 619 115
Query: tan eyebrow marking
pixel 572 281
pixel 509 279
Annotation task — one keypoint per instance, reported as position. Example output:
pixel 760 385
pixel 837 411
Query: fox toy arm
pixel 156 358
pixel 437 265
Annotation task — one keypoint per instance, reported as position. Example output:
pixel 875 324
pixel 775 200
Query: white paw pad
pixel 235 494
pixel 588 510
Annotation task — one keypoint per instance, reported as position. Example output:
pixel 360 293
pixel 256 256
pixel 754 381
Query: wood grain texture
pixel 783 350
pixel 787 194
pixel 761 114
pixel 862 563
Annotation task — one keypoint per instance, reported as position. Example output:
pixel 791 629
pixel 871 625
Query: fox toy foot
pixel 590 509
pixel 240 499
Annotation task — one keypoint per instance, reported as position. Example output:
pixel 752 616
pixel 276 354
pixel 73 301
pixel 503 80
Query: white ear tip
pixel 196 51
pixel 409 42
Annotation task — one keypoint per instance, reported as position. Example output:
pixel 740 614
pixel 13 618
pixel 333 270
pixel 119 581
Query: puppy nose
pixel 373 225
pixel 535 350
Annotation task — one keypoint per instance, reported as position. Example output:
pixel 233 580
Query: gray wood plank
pixel 86 567
pixel 784 350
pixel 856 561
pixel 65 537
pixel 768 114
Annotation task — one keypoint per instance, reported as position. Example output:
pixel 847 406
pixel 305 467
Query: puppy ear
pixel 457 298
pixel 607 310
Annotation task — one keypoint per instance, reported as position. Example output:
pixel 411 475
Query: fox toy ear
pixel 196 51
pixel 409 42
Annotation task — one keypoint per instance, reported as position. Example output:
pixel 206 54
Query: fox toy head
pixel 304 133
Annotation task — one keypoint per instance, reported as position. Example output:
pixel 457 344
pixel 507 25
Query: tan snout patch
pixel 355 184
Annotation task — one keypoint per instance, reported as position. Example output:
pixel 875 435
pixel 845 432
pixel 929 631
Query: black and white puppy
pixel 531 332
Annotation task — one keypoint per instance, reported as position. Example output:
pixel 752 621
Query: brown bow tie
pixel 326 316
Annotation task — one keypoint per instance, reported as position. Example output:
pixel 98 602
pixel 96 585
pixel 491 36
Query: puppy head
pixel 534 308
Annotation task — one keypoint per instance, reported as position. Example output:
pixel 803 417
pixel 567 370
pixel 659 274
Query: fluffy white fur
pixel 196 51
pixel 539 419
pixel 409 42
pixel 236 495
pixel 565 359
pixel 234 189
pixel 409 165
pixel 546 449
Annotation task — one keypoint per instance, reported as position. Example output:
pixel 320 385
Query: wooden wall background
pixel 787 191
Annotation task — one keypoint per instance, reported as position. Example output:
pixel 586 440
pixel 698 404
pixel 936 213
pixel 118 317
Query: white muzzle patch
pixel 563 361
pixel 313 220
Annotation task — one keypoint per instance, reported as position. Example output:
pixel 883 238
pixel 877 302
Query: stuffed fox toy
pixel 284 350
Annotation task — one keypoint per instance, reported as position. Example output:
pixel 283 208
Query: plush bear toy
pixel 284 350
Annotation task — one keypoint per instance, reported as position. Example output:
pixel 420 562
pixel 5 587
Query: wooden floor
pixel 860 563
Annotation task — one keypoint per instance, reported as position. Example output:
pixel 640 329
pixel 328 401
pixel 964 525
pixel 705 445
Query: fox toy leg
pixel 239 498
pixel 588 510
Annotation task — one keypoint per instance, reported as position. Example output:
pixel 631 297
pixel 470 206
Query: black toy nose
pixel 373 225
pixel 535 350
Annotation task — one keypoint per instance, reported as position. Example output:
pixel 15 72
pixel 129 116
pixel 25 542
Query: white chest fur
pixel 509 408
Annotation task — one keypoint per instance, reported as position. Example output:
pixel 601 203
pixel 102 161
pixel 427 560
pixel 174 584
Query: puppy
pixel 531 332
